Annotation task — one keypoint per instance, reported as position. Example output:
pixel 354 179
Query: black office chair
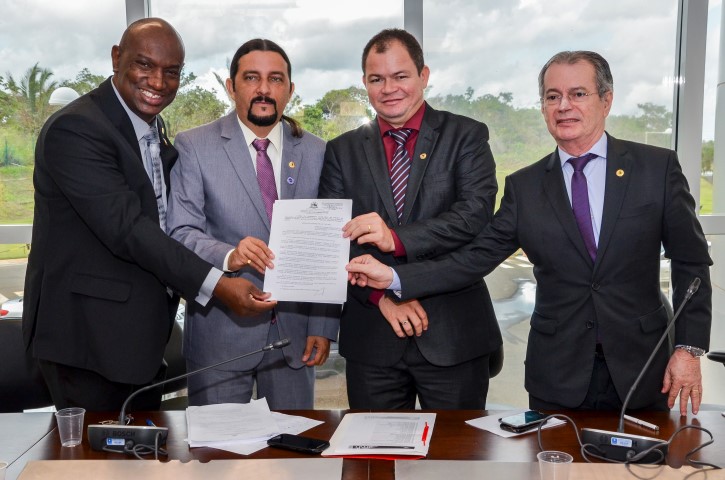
pixel 175 366
pixel 21 384
pixel 717 356
pixel 495 362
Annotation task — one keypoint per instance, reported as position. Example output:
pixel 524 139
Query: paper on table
pixel 310 252
pixel 286 423
pixel 382 434
pixel 230 423
pixel 490 423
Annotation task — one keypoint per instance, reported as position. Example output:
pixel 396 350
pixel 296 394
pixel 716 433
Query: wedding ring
pixel 404 323
pixel 249 262
pixel 369 228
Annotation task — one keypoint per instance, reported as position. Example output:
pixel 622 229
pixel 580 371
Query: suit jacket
pixel 215 202
pixel 96 284
pixel 647 204
pixel 450 195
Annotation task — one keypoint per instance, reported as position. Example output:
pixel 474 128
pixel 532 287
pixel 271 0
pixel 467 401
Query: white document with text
pixel 310 251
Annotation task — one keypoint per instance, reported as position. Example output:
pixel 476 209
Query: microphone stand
pixel 122 437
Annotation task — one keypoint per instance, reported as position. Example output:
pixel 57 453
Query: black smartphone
pixel 522 422
pixel 298 443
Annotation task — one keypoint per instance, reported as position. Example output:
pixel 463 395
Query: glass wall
pixel 484 59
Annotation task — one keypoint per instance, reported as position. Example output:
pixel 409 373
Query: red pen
pixel 425 433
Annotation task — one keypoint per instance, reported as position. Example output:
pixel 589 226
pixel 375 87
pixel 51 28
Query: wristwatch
pixel 694 351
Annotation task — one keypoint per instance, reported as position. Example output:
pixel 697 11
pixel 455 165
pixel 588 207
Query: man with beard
pixel 224 186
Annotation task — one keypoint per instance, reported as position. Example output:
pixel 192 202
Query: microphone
pixel 116 437
pixel 627 447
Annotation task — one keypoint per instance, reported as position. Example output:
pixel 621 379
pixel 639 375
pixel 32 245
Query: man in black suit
pixel 423 183
pixel 98 289
pixel 599 311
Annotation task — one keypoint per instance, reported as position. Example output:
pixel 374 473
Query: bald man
pixel 99 301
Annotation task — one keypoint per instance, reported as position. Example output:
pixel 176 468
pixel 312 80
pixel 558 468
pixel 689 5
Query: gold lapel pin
pixel 423 156
pixel 620 173
pixel 291 164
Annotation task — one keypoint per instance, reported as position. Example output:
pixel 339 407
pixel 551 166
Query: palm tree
pixel 32 94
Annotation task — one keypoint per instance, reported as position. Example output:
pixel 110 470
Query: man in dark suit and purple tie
pixel 591 217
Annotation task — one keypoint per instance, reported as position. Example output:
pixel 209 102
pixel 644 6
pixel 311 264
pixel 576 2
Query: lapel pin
pixel 290 180
pixel 620 173
pixel 291 164
pixel 423 156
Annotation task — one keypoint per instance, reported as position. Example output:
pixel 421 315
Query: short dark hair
pixel 264 45
pixel 381 42
pixel 602 73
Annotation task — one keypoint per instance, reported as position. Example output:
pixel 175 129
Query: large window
pixel 484 59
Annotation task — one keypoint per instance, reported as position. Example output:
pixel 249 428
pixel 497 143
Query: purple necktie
pixel 580 202
pixel 400 168
pixel 265 175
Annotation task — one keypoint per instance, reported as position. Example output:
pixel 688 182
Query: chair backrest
pixel 495 362
pixel 175 362
pixel 21 384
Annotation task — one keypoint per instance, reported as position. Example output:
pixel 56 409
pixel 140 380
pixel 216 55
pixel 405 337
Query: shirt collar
pixel 140 127
pixel 413 122
pixel 274 137
pixel 599 149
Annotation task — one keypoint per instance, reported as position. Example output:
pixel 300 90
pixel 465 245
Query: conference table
pixel 452 439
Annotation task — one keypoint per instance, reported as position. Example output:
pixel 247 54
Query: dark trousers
pixel 601 394
pixel 78 387
pixel 462 386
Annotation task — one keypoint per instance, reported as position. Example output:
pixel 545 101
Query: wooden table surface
pixel 452 439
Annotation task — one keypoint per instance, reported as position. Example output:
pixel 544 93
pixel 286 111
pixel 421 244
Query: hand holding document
pixel 310 251
pixel 382 435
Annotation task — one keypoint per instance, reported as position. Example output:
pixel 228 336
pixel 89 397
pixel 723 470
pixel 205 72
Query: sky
pixel 491 46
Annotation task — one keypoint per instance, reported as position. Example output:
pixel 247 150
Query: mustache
pixel 264 99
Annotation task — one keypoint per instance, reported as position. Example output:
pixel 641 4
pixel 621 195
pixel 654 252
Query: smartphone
pixel 298 443
pixel 522 422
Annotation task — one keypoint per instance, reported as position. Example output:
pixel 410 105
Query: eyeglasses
pixel 578 96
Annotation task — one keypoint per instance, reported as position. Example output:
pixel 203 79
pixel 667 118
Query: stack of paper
pixel 382 435
pixel 240 428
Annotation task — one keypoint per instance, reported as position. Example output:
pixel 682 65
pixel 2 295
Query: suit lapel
pixel 291 162
pixel 619 166
pixel 238 156
pixel 556 193
pixel 424 145
pixel 378 164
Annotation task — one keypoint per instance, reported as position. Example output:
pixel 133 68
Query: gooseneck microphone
pixel 635 448
pixel 688 295
pixel 116 437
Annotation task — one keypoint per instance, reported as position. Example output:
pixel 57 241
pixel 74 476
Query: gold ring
pixel 249 262
pixel 369 228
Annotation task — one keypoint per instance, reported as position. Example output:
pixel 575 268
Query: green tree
pixel 84 82
pixel 31 96
pixel 192 107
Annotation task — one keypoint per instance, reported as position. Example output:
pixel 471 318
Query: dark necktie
pixel 580 202
pixel 153 150
pixel 265 175
pixel 400 169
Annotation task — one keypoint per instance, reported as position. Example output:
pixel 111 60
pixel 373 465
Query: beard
pixel 259 120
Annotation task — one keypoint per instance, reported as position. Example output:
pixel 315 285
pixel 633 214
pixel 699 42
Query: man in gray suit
pixel 223 189
pixel 599 311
